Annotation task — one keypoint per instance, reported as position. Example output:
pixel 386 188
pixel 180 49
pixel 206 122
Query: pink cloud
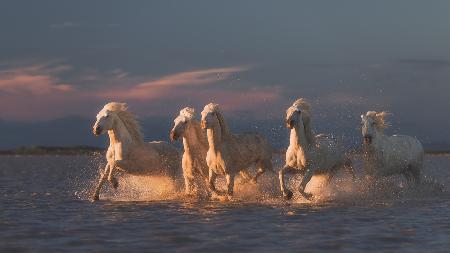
pixel 35 79
pixel 168 84
pixel 37 91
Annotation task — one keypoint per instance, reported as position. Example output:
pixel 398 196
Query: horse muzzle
pixel 204 124
pixel 367 139
pixel 97 130
pixel 289 124
pixel 173 136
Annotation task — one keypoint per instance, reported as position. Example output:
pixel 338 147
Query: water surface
pixel 44 207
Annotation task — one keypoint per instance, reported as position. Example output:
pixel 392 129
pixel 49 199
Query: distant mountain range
pixel 76 132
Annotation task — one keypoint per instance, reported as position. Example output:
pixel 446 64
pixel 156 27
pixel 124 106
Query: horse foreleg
pixel 211 182
pixel 188 180
pixel 287 194
pixel 111 177
pixel 230 185
pixel 308 175
pixel 102 179
pixel 246 176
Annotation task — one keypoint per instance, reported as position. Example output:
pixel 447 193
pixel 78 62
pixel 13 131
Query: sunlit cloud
pixel 41 88
pixel 167 85
pixel 34 80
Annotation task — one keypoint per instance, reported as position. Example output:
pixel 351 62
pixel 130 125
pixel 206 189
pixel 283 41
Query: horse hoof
pixel 95 198
pixel 288 195
pixel 307 196
pixel 115 183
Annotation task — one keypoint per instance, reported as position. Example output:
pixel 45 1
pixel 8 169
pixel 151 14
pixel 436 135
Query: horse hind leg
pixel 263 166
pixel 246 176
pixel 348 166
pixel 415 174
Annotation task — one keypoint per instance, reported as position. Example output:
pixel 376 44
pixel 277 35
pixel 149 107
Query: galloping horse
pixel 127 150
pixel 389 155
pixel 229 154
pixel 307 153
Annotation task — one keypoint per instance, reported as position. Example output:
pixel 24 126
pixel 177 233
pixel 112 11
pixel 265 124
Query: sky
pixel 62 59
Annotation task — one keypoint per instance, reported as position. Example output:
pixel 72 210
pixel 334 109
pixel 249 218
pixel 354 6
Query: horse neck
pixel 193 137
pixel 298 136
pixel 379 138
pixel 120 134
pixel 214 135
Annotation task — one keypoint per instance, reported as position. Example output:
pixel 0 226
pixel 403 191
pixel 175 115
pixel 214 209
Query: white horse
pixel 307 153
pixel 127 150
pixel 195 143
pixel 228 153
pixel 389 155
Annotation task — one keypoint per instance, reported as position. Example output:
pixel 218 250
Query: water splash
pixel 342 189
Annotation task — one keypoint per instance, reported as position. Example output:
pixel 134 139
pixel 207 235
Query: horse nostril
pixel 289 123
pixel 172 136
pixel 97 130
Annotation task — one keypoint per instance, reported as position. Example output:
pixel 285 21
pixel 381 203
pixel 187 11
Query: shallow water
pixel 44 207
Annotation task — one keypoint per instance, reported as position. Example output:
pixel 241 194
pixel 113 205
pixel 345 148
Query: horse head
pixel 104 122
pixel 210 116
pixel 372 123
pixel 181 122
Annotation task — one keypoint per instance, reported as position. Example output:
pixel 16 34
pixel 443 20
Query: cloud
pixel 54 89
pixel 39 79
pixel 168 84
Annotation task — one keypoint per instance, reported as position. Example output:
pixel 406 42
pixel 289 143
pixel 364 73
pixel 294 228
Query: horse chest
pixel 216 162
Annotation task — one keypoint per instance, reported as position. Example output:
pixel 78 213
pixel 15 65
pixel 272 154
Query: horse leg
pixel 348 166
pixel 230 185
pixel 188 181
pixel 246 176
pixel 287 194
pixel 415 174
pixel 331 175
pixel 263 166
pixel 102 179
pixel 211 182
pixel 308 175
pixel 111 177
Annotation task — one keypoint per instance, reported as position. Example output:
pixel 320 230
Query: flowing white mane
pixel 186 114
pixel 127 117
pixel 379 119
pixel 214 108
pixel 211 107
